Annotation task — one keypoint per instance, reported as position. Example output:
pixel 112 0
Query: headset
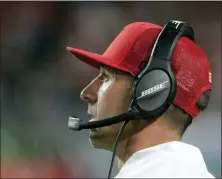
pixel 155 89
pixel 155 86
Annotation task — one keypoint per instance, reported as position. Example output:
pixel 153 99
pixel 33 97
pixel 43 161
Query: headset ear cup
pixel 152 90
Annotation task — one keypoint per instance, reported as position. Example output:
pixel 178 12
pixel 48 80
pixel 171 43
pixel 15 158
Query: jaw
pixel 101 139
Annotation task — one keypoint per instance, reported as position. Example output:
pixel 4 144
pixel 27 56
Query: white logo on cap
pixel 177 23
pixel 210 77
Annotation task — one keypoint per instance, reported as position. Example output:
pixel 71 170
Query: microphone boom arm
pixel 77 124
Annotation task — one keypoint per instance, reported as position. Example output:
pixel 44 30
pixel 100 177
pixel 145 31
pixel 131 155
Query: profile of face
pixel 109 94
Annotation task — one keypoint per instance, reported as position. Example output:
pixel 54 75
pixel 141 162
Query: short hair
pixel 179 120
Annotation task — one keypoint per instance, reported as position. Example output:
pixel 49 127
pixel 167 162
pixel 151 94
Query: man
pixel 147 148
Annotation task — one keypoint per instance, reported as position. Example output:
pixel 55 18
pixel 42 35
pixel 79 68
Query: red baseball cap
pixel 131 49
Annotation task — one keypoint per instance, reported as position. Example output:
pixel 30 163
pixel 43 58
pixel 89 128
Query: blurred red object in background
pixel 39 169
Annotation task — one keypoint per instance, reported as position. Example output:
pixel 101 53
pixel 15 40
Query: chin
pixel 95 143
pixel 98 141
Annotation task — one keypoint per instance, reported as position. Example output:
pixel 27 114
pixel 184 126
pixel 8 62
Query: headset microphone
pixel 77 124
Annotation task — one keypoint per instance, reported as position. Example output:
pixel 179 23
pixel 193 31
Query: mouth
pixel 92 120
pixel 91 117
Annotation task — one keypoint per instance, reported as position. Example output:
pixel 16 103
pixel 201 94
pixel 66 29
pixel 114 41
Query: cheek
pixel 113 99
pixel 106 85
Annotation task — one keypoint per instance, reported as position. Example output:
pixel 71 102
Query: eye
pixel 104 76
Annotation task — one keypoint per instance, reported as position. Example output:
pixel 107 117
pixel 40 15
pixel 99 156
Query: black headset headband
pixel 166 42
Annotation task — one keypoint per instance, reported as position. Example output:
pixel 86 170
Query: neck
pixel 149 136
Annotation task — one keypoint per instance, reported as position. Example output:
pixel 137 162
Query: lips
pixel 91 120
pixel 94 129
pixel 91 117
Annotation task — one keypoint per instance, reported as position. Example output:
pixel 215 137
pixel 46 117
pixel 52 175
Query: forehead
pixel 107 69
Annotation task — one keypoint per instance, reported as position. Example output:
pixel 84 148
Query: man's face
pixel 108 95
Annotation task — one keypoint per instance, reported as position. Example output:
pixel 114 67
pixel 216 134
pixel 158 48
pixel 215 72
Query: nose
pixel 90 92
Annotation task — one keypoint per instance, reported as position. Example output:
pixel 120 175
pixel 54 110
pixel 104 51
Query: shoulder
pixel 177 160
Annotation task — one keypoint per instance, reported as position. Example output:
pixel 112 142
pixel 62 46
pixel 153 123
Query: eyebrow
pixel 111 70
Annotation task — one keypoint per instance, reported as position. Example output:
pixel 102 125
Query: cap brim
pixel 95 60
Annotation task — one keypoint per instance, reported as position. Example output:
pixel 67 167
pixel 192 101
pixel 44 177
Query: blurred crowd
pixel 41 81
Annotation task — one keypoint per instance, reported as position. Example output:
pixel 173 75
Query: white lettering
pixel 153 89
